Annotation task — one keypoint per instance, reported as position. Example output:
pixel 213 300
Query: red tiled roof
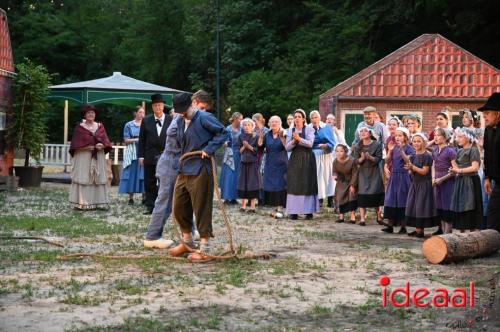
pixel 430 66
pixel 6 60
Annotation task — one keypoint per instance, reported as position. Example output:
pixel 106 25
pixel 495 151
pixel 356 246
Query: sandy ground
pixel 325 276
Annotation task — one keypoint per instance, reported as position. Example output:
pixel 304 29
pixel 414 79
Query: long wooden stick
pixel 57 244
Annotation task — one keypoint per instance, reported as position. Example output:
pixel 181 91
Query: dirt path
pixel 325 275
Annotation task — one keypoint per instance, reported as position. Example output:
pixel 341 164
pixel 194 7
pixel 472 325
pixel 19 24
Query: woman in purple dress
pixel 302 194
pixel 443 154
pixel 399 181
pixel 420 210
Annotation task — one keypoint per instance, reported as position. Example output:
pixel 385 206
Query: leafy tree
pixel 27 129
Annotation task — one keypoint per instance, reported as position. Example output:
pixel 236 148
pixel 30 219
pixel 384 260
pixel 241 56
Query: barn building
pixel 6 81
pixel 422 77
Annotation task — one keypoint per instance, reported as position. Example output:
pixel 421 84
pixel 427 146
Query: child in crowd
pixel 368 153
pixel 249 181
pixel 345 172
pixel 442 155
pixel 420 206
pixel 466 200
pixel 399 181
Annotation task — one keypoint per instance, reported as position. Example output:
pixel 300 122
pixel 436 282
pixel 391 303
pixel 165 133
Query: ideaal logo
pixel 422 297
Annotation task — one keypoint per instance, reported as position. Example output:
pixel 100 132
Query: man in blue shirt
pixel 167 170
pixel 194 190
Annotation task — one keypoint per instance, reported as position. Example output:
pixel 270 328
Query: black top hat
pixel 156 98
pixel 182 101
pixel 88 107
pixel 493 103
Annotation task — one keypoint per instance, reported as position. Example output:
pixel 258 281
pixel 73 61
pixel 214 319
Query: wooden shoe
pixel 198 257
pixel 160 243
pixel 178 250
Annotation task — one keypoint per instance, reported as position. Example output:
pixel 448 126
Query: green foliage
pixel 31 88
pixel 276 56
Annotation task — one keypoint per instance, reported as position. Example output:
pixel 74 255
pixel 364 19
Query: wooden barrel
pixel 460 246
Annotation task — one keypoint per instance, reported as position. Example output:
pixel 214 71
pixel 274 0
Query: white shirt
pixel 162 120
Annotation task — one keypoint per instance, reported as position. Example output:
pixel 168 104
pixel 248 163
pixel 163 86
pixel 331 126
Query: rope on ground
pixel 82 255
pixel 57 244
pixel 231 254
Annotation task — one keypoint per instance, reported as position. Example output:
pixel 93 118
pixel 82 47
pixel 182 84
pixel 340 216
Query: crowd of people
pixel 443 178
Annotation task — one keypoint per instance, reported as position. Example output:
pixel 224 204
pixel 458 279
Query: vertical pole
pixel 144 106
pixel 217 42
pixel 65 141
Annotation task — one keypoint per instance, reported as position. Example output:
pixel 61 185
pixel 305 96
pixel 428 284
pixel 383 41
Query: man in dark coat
pixel 194 189
pixel 151 144
pixel 491 113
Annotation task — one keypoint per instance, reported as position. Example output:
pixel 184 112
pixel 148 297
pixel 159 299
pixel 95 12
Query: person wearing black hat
pixel 194 189
pixel 491 114
pixel 151 144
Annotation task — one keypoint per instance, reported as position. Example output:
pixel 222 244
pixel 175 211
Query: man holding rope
pixel 197 132
pixel 166 173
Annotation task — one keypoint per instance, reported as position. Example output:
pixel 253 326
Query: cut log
pixel 460 246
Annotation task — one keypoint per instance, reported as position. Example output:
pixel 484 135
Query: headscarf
pixel 467 132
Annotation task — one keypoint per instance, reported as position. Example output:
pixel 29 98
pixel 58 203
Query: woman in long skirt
pixel 345 171
pixel 249 181
pixel 420 210
pixel 302 182
pixel 132 177
pixel 467 200
pixel 399 181
pixel 443 154
pixel 368 153
pixel 88 148
pixel 322 149
pixel 231 161
pixel 275 168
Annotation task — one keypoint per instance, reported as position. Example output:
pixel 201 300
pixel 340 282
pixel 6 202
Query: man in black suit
pixel 151 144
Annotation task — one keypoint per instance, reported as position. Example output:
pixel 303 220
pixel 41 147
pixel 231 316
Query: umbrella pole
pixel 65 141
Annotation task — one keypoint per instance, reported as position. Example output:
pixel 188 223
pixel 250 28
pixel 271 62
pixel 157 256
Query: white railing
pixel 58 154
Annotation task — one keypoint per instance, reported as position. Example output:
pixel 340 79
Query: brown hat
pixel 88 107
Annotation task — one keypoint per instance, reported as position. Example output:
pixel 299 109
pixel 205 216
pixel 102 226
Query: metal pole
pixel 65 140
pixel 217 41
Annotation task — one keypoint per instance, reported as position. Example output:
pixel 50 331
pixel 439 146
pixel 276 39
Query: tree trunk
pixel 460 246
pixel 27 158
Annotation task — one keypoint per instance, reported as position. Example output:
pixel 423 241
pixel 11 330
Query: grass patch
pixel 288 266
pixel 83 300
pixel 235 273
pixel 32 254
pixel 137 324
pixel 70 226
pixel 324 235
